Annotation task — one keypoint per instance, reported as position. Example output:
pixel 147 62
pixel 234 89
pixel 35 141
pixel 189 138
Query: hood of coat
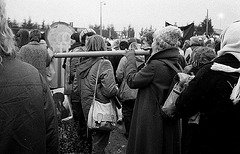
pixel 84 67
pixel 168 53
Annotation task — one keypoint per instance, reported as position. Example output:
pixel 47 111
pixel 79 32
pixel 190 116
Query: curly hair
pixel 202 55
pixel 7 44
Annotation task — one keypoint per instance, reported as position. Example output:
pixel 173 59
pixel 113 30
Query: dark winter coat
pixel 28 121
pixel 209 93
pixel 150 132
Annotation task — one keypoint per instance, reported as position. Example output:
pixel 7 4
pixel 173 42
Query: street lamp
pixel 220 16
pixel 101 16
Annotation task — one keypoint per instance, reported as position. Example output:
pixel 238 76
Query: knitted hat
pixel 167 37
pixel 84 33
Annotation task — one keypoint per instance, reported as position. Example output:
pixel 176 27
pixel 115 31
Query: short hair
pixel 35 35
pixel 75 36
pixel 123 44
pixel 22 37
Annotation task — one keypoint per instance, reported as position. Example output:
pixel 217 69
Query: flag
pixel 187 30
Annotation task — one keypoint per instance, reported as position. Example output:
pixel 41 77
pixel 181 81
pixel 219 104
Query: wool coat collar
pixel 168 53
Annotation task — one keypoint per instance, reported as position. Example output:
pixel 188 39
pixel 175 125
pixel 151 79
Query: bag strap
pixel 173 66
pixel 95 86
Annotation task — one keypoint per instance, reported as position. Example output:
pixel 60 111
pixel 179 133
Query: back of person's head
pixel 148 37
pixel 75 36
pixel 84 33
pixel 7 46
pixel 202 55
pixel 123 44
pixel 196 41
pixel 166 37
pixel 108 45
pixel 96 43
pixel 230 39
pixel 22 37
pixel 132 39
pixel 134 46
pixel 115 44
pixel 35 35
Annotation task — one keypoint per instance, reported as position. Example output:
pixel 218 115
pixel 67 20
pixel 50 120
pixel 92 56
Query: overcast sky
pixel 121 13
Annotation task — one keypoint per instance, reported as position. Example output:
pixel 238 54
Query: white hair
pixel 6 35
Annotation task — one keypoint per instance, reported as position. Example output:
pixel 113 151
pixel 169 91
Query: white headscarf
pixel 230 40
pixel 230 43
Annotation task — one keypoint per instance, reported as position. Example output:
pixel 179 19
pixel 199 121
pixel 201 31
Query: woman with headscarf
pixel 84 83
pixel 214 93
pixel 150 132
pixel 28 120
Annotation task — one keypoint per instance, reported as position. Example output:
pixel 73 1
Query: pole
pixel 97 53
pixel 207 24
pixel 101 18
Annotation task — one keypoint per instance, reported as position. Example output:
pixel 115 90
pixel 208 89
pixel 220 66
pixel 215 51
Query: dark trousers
pixel 127 111
pixel 78 116
pixel 100 141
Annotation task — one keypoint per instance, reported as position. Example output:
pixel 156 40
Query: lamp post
pixel 220 16
pixel 101 16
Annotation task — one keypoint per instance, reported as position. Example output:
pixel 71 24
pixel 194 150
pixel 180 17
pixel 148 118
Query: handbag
pixel 101 117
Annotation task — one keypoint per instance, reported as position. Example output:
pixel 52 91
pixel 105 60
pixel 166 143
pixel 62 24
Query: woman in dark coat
pixel 150 132
pixel 209 93
pixel 28 120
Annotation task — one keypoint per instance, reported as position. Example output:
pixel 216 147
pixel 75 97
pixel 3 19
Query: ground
pixel 71 143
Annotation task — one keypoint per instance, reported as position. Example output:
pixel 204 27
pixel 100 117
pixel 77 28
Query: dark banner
pixel 187 30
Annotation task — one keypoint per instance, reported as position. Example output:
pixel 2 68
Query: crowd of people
pixel 207 110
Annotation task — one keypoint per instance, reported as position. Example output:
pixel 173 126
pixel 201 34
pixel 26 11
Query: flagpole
pixel 207 24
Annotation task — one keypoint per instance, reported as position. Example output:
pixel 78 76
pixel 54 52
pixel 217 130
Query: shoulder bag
pixel 101 117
